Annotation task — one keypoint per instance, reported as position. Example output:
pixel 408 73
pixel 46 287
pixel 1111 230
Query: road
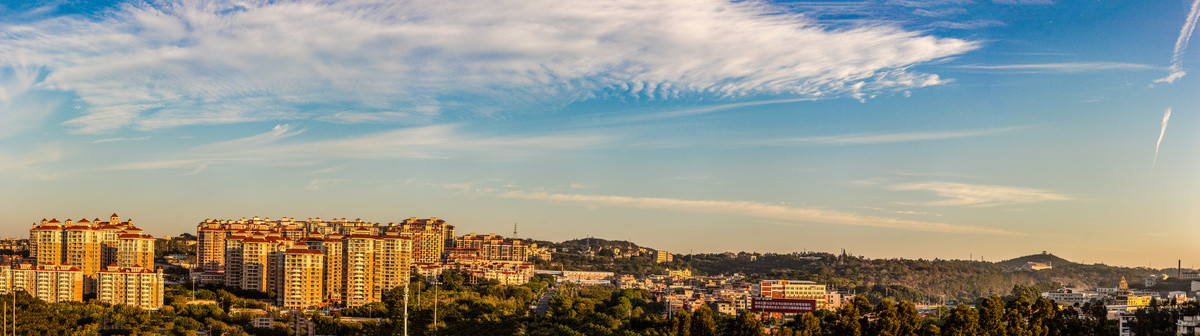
pixel 543 305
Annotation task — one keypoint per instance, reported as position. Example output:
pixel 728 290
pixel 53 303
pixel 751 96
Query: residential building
pixel 662 256
pixel 91 244
pixel 1070 296
pixel 15 245
pixel 50 283
pixel 791 289
pixel 1036 266
pixel 494 247
pixel 507 272
pixel 302 283
pixel 430 237
pixel 134 286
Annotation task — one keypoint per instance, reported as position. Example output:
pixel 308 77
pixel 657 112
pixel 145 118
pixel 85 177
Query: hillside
pixel 1043 257
pixel 909 279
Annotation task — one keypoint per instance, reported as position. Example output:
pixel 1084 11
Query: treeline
pixel 916 280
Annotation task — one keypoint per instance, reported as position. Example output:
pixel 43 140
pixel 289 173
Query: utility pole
pixel 436 284
pixel 406 306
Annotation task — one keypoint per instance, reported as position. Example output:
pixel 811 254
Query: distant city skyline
pixel 915 129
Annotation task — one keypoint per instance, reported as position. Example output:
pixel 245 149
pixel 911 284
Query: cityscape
pixel 599 167
pixel 344 276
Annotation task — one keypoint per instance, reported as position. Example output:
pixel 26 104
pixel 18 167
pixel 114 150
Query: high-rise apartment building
pixel 49 282
pixel 430 237
pixel 138 287
pixel 494 247
pixel 90 245
pixel 360 261
pixel 302 281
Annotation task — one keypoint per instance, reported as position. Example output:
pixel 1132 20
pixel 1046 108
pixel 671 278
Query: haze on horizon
pixel 917 129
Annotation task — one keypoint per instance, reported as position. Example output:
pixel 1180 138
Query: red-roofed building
pixel 89 244
pixel 51 283
pixel 134 286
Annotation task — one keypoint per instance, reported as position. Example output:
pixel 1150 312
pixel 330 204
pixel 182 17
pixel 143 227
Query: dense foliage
pixel 917 280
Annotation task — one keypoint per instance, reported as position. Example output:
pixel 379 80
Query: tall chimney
pixel 1179 268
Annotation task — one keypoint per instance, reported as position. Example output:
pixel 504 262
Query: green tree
pixel 962 321
pixel 909 319
pixel 807 324
pixel 744 324
pixel 681 323
pixel 887 322
pixel 703 323
pixel 991 316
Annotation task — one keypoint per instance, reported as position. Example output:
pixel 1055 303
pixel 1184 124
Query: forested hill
pixel 1038 258
pixel 911 279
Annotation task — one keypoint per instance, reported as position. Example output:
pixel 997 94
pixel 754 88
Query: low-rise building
pixel 1070 296
pixel 50 283
pixel 663 256
pixel 134 286
pixel 505 271
pixel 791 289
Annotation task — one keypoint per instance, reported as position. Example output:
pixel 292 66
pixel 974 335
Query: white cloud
pixel 755 210
pixel 1024 2
pixel 866 139
pixel 428 142
pixel 190 62
pixel 322 184
pixel 977 195
pixel 939 12
pixel 19 110
pixel 1166 118
pixel 967 25
pixel 1181 44
pixel 26 165
pixel 107 140
pixel 1069 67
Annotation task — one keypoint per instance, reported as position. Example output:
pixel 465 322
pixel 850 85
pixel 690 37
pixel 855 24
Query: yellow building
pixel 679 273
pixel 359 269
pixel 494 247
pixel 303 278
pixel 50 283
pixel 91 244
pixel 791 289
pixel 430 237
pixel 362 261
pixel 134 286
pixel 663 256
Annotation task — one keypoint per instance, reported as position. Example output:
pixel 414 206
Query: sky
pixel 953 129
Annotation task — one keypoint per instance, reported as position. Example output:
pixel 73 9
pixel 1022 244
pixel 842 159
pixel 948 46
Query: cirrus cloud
pixel 755 210
pixel 186 62
pixel 979 195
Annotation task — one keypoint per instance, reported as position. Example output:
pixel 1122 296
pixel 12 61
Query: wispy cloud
pixel 1024 2
pixel 1069 67
pixel 939 12
pixel 322 184
pixel 754 210
pixel 428 142
pixel 1181 44
pixel 26 165
pixel 977 195
pixel 118 139
pixel 184 62
pixel 867 139
pixel 19 109
pixel 967 25
pixel 1166 118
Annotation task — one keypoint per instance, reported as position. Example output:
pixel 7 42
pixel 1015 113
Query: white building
pixel 1070 296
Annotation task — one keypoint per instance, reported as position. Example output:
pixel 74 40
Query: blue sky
pixel 935 129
